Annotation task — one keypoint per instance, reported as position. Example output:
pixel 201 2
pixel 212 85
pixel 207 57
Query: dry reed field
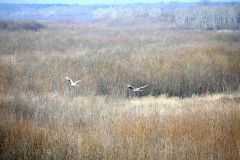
pixel 189 110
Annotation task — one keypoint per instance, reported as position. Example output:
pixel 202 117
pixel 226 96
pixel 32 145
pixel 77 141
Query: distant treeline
pixel 197 16
pixel 201 15
pixel 20 25
pixel 209 17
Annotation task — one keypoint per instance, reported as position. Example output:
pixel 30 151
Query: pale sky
pixel 100 1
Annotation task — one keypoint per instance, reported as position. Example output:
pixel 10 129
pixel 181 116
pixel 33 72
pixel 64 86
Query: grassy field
pixel 190 109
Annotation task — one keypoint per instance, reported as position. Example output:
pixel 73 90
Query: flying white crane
pixel 136 89
pixel 72 83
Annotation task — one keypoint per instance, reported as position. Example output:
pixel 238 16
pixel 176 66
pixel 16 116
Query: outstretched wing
pixel 69 79
pixel 137 90
pixel 78 81
pixel 142 87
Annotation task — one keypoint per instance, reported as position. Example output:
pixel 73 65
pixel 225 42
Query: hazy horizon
pixel 102 2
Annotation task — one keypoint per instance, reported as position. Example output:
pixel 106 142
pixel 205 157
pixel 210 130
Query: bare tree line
pixel 212 16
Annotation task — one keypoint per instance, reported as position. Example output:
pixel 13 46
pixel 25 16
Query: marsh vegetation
pixel 189 110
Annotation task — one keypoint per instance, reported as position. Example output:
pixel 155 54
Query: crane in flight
pixel 73 83
pixel 134 89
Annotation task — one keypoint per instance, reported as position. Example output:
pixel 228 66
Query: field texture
pixel 189 110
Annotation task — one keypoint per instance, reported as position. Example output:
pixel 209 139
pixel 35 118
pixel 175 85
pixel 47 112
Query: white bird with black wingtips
pixel 139 89
pixel 72 83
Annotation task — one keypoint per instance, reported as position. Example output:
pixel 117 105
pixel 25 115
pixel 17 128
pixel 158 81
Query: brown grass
pixel 139 128
pixel 179 63
pixel 42 117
